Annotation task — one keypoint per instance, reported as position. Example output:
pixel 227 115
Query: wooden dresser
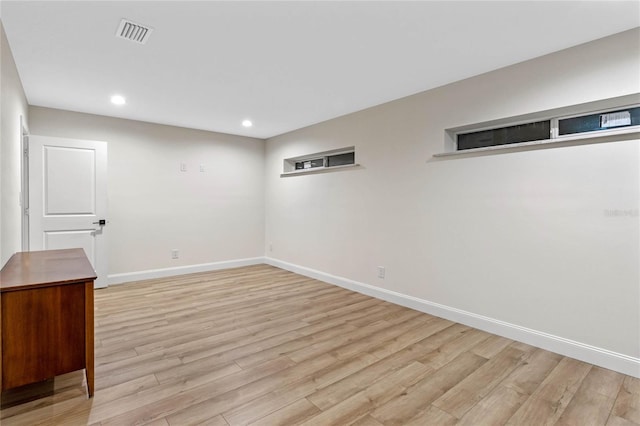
pixel 46 317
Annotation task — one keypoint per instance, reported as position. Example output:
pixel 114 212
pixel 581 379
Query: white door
pixel 68 198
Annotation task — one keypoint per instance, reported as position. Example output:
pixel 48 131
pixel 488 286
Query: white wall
pixel 13 105
pixel 520 237
pixel 211 216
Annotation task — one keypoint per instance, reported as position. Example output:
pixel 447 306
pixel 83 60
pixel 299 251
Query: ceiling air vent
pixel 135 32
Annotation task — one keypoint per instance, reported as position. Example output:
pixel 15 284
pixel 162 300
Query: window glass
pixel 341 159
pixel 599 121
pixel 506 135
pixel 310 164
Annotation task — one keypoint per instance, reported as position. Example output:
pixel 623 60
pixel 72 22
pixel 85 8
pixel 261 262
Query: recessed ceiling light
pixel 247 123
pixel 118 100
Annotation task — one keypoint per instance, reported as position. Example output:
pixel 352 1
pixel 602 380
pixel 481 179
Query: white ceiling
pixel 284 65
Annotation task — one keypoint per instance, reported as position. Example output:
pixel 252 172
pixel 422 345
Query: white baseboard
pixel 180 270
pixel 602 357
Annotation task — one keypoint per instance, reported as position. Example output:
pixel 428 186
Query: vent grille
pixel 134 32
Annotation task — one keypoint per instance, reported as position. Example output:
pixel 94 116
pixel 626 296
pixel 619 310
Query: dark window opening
pixel 327 161
pixel 310 164
pixel 341 159
pixel 600 121
pixel 539 130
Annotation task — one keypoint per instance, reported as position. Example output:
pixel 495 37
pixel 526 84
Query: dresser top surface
pixel 44 268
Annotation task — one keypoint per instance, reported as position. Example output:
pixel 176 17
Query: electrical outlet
pixel 183 167
pixel 175 254
pixel 381 272
pixel 202 169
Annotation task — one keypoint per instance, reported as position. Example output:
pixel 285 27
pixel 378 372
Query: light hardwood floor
pixel 259 345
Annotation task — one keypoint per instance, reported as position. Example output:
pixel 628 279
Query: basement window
pixel 320 161
pixel 574 123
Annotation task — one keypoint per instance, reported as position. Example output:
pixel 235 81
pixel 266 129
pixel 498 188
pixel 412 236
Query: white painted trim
pixel 317 170
pixel 602 357
pixel 180 270
pixel 24 182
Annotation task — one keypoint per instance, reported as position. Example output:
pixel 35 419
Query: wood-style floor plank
pixel 627 405
pixel 594 400
pixel 553 395
pixel 473 388
pixel 259 345
pixel 504 400
pixel 416 398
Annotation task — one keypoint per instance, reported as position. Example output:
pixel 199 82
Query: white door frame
pixel 24 190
